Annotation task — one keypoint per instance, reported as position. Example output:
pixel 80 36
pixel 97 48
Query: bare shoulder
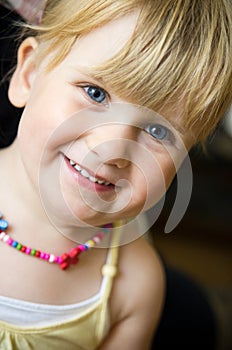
pixel 137 298
pixel 139 286
pixel 140 260
pixel 142 271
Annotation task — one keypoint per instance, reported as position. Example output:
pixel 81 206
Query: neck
pixel 17 191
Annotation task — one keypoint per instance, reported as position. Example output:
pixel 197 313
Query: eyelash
pixel 165 134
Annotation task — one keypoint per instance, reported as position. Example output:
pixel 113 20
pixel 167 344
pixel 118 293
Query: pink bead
pixel 100 235
pixel 10 241
pixel 47 256
pixel 42 255
pixel 28 250
pixel 96 240
pixel 82 248
pixel 58 259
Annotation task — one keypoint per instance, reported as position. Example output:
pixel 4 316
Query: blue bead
pixel 14 244
pixel 86 246
pixel 3 224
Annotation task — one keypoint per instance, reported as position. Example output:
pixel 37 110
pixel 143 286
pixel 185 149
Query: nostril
pixel 118 162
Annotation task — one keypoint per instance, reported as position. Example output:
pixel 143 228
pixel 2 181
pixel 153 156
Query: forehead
pixel 103 43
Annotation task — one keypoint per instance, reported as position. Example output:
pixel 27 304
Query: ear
pixel 24 74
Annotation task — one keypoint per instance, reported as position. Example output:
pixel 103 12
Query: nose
pixel 112 143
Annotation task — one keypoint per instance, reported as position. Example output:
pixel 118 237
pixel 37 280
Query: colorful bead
pixel 65 260
pixel 51 258
pixel 33 251
pixel 57 259
pixel 64 265
pixel 10 241
pixel 90 243
pixel 5 238
pixel 3 224
pixel 2 234
pixel 81 247
pixel 23 249
pixel 74 252
pixel 96 240
pixel 65 257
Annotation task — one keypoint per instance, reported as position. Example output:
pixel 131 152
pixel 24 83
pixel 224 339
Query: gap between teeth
pixel 85 173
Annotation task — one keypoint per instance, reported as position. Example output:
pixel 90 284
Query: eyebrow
pixel 98 81
pixel 160 118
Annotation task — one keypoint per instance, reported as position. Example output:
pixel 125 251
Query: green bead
pixel 19 246
pixel 33 251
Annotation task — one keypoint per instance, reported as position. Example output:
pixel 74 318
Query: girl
pixel 114 95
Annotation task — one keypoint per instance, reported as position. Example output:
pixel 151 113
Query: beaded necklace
pixel 64 260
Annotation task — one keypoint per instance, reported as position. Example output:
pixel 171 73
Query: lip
pixel 85 182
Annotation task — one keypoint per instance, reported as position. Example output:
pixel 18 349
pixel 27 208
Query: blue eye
pixel 159 132
pixel 95 93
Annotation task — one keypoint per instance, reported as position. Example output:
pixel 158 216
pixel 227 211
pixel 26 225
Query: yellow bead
pixel 90 243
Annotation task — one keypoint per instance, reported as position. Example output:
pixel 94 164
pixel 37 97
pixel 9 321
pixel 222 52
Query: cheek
pixel 43 116
pixel 155 181
pixel 32 140
pixel 169 171
pixel 148 184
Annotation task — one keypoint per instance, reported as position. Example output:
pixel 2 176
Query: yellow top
pixel 84 332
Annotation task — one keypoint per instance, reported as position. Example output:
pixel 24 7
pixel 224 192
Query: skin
pixel 50 100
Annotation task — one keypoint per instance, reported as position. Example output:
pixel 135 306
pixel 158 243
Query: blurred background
pixel 201 245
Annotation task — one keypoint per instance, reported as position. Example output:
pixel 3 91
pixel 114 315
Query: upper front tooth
pixel 85 173
pixel 93 179
pixel 77 167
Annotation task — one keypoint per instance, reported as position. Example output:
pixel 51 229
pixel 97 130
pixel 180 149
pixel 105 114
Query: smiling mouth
pixel 88 176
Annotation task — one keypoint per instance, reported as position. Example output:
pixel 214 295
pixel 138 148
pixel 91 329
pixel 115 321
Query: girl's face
pixel 91 156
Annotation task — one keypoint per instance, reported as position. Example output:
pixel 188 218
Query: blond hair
pixel 180 52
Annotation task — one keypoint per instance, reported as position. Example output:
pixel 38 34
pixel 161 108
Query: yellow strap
pixel 109 270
